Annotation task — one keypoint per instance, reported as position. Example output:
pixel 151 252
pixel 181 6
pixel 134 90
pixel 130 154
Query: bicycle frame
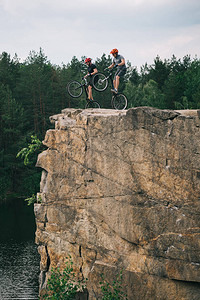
pixel 84 84
pixel 110 78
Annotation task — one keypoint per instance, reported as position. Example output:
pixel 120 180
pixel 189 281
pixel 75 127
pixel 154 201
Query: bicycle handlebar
pixel 108 69
pixel 83 79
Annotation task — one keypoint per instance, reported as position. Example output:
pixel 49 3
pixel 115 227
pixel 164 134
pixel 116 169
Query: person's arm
pixel 111 66
pixel 94 72
pixel 122 62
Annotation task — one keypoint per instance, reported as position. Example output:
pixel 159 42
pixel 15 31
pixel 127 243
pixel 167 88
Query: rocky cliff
pixel 120 191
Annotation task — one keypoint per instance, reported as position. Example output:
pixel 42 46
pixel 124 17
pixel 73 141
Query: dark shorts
pixel 120 73
pixel 90 80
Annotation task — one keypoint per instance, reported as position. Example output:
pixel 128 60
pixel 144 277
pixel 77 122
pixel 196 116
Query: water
pixel 19 259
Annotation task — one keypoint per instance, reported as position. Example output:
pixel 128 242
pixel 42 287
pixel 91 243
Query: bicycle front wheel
pixel 75 89
pixel 100 82
pixel 119 101
pixel 92 104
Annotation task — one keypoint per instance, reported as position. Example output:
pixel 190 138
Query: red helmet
pixel 87 60
pixel 114 51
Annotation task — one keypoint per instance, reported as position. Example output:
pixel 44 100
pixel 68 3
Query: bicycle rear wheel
pixel 100 82
pixel 119 101
pixel 92 104
pixel 75 89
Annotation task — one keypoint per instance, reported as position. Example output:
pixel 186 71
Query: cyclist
pixel 119 62
pixel 92 69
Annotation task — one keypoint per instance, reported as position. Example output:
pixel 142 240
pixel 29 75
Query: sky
pixel 139 29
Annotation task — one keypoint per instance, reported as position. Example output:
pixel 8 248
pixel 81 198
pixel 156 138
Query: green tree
pixel 9 70
pixel 192 85
pixel 159 72
pixel 11 129
pixel 174 86
pixel 34 91
pixel 145 95
pixel 133 76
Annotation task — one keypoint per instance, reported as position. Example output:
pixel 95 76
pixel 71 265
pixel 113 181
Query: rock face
pixel 120 191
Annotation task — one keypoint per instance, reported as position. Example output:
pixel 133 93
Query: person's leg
pixel 120 74
pixel 90 92
pixel 114 83
pixel 117 82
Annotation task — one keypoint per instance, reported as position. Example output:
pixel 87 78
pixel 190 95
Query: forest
pixel 33 90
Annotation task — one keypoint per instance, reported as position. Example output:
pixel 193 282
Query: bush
pixel 112 291
pixel 63 285
pixel 31 150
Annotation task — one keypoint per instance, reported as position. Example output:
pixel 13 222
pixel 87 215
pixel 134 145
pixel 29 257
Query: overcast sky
pixel 140 29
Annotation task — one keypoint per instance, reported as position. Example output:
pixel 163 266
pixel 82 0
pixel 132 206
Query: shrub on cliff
pixel 29 153
pixel 63 285
pixel 112 291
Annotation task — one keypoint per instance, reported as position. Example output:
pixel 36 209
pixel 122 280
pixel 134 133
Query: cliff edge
pixel 120 191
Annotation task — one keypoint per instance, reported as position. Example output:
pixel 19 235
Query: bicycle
pixel 100 84
pixel 75 90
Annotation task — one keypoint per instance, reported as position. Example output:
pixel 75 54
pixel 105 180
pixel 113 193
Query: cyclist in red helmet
pixel 92 69
pixel 119 62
